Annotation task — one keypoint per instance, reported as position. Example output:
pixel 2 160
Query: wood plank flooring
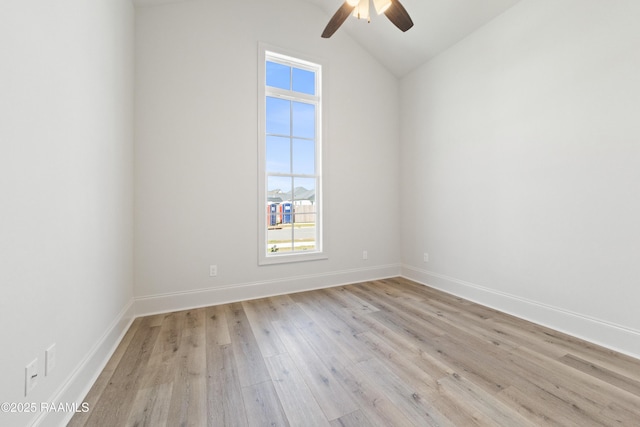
pixel 381 353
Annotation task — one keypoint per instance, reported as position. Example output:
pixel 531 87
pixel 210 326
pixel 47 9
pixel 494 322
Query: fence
pixel 286 213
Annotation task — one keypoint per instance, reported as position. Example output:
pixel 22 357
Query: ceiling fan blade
pixel 338 19
pixel 399 16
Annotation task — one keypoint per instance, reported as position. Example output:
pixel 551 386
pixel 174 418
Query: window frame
pixel 294 59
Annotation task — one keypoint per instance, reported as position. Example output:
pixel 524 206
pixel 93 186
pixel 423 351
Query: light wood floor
pixel 388 353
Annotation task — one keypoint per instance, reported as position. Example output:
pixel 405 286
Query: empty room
pixel 320 212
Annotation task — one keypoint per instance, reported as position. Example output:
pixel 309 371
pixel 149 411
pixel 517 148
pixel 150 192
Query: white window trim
pixel 321 253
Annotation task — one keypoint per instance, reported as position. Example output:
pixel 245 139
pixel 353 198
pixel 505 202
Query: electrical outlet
pixel 30 376
pixel 426 257
pixel 365 255
pixel 49 359
pixel 213 270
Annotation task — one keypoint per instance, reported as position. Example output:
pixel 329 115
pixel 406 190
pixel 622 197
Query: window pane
pixel 279 238
pixel 278 116
pixel 278 154
pixel 304 81
pixel 304 156
pixel 278 75
pixel 304 191
pixel 279 214
pixel 279 189
pixel 304 120
pixel 304 230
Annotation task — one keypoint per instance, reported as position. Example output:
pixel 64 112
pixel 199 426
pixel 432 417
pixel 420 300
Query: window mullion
pixel 290 95
pixel 291 167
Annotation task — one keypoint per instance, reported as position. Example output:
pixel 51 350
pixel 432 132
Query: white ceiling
pixel 438 24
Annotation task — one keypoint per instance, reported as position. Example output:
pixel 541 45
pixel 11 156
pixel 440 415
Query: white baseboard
pixel 606 334
pixel 165 303
pixel 78 384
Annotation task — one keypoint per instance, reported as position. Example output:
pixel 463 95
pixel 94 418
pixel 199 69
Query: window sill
pixel 291 258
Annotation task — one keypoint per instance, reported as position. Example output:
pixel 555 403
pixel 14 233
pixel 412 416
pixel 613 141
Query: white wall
pixel 66 200
pixel 520 167
pixel 196 153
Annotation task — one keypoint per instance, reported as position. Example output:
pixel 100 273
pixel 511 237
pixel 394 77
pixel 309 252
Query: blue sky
pixel 290 127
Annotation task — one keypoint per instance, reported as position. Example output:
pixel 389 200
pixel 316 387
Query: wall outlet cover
pixel 30 376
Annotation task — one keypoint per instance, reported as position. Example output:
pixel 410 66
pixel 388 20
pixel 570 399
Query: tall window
pixel 290 159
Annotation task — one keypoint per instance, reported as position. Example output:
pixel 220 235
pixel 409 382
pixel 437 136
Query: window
pixel 290 159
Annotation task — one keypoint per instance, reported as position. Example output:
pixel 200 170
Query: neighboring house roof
pixel 299 193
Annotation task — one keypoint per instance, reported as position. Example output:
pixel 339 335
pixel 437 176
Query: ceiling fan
pixel 392 9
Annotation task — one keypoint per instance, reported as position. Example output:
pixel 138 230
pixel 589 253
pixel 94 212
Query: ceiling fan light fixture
pixel 381 5
pixel 362 10
pixel 392 9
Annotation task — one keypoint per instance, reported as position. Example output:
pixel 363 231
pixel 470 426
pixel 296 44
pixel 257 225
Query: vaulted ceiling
pixel 439 24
